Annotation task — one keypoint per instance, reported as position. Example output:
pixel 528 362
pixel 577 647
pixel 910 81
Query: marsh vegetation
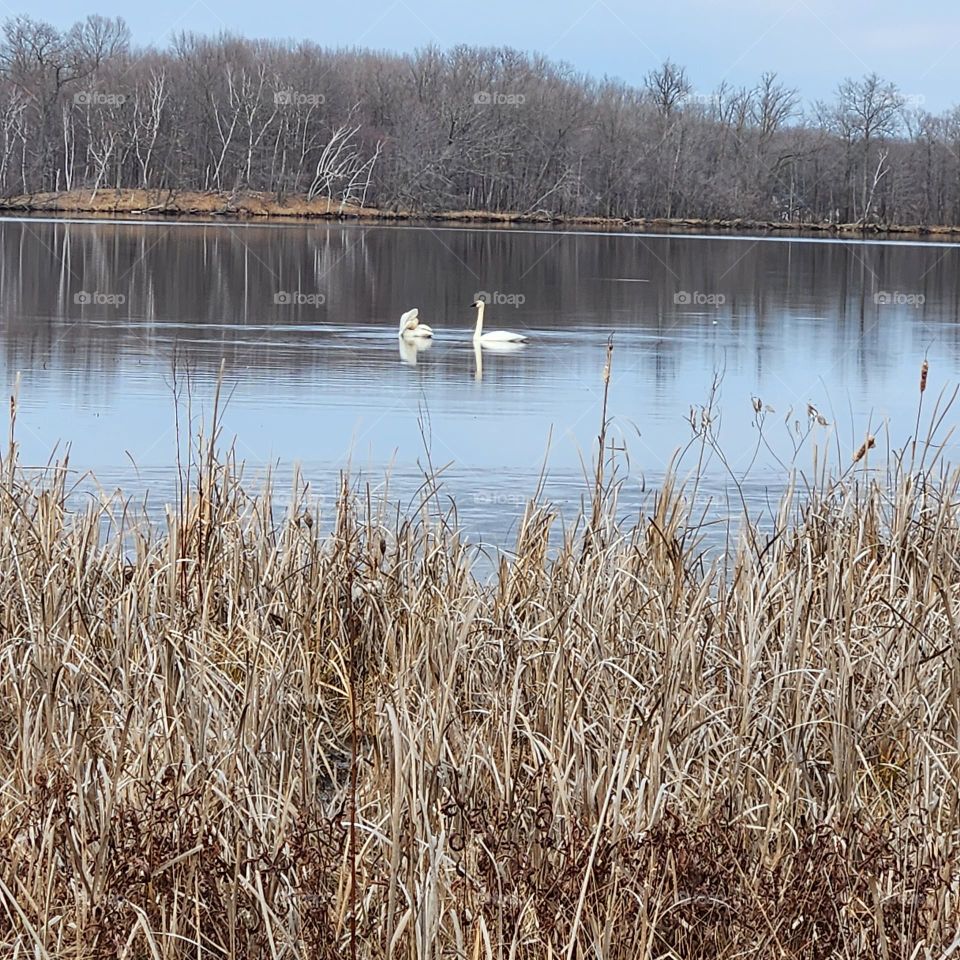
pixel 241 733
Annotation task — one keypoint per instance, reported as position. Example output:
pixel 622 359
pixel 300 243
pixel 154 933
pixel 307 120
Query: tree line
pixel 469 128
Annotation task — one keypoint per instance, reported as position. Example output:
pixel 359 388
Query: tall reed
pixel 232 735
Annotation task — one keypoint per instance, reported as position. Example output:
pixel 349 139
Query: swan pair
pixel 412 328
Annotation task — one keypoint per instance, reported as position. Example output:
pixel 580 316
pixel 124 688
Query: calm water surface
pixel 96 314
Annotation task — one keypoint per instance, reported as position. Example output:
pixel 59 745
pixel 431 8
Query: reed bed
pixel 234 734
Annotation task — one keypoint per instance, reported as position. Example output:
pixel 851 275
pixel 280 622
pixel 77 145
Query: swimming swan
pixel 410 325
pixel 495 336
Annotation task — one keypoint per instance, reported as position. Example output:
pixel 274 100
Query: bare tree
pixel 668 87
pixel 866 113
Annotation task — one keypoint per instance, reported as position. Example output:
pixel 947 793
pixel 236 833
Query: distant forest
pixel 470 128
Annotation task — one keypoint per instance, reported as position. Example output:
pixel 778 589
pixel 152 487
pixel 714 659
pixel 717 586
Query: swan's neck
pixel 479 330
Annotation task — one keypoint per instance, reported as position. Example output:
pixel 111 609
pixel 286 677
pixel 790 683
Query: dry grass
pixel 186 203
pixel 237 736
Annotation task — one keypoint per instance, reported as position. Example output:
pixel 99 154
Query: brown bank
pixel 172 203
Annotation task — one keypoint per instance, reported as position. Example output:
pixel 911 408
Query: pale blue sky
pixel 812 44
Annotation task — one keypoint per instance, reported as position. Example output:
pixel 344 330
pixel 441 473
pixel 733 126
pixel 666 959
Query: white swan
pixel 495 336
pixel 410 325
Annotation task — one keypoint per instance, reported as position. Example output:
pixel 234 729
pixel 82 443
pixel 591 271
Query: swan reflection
pixel 410 349
pixel 501 348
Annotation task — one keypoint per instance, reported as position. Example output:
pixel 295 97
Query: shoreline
pixel 136 204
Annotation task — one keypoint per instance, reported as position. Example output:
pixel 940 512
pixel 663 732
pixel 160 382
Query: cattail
pixel 867 444
pixel 923 376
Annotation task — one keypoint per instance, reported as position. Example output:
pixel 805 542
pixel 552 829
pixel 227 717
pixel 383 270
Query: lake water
pixel 96 314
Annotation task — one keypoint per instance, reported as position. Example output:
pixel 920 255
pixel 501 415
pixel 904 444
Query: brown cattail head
pixel 867 444
pixel 923 376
